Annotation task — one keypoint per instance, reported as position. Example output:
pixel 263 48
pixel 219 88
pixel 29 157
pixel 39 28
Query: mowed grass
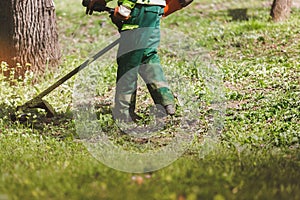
pixel 256 157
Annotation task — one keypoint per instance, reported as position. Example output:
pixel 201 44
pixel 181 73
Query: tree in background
pixel 28 34
pixel 281 10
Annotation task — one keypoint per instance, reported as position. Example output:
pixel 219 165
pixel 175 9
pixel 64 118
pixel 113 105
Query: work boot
pixel 170 109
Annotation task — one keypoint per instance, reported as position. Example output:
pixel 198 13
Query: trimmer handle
pixel 110 10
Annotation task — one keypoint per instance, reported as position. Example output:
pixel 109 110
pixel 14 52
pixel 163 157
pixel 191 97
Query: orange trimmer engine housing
pixel 174 5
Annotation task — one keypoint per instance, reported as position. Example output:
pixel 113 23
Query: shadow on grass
pixel 37 121
pixel 238 14
pixel 237 173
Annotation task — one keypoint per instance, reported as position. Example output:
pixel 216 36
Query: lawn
pixel 238 80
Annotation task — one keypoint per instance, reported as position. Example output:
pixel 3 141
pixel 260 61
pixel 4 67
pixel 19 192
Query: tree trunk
pixel 281 10
pixel 28 34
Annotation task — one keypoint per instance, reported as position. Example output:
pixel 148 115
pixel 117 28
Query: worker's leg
pixel 125 95
pixel 151 69
pixel 157 84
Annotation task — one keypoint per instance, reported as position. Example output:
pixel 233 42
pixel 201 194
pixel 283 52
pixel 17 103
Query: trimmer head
pixel 38 103
pixel 23 113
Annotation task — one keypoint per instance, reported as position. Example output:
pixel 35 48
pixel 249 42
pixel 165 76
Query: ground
pixel 251 98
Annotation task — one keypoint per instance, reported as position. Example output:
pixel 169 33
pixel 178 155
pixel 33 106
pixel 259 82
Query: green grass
pixel 257 156
pixel 43 167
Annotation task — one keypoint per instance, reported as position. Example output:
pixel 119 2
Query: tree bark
pixel 281 10
pixel 29 34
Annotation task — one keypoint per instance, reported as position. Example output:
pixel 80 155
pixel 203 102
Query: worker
pixel 138 22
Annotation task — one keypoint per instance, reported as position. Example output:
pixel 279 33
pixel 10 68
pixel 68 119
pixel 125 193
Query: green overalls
pixel 137 54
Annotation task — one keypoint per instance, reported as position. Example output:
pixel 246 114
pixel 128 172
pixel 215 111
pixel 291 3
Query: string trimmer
pixel 39 102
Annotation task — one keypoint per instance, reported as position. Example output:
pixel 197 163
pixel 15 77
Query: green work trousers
pixel 137 54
